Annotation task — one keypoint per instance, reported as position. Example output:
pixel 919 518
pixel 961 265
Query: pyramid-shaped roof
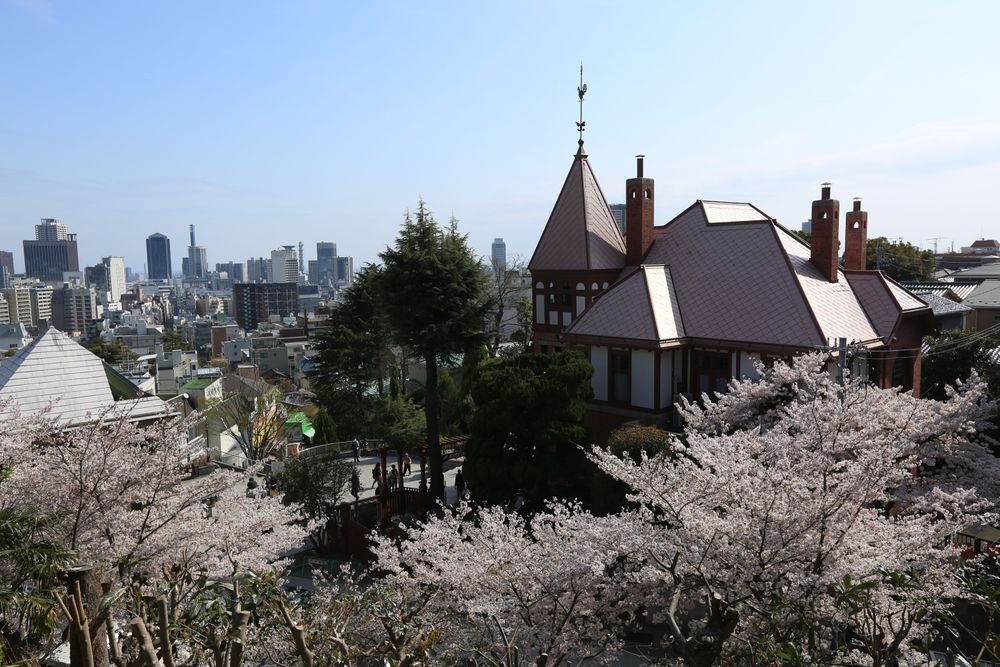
pixel 55 369
pixel 644 309
pixel 581 233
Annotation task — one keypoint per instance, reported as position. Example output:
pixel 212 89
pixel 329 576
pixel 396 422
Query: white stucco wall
pixel 643 370
pixel 599 360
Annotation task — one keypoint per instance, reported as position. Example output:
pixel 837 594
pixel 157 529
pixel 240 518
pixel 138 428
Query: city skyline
pixel 727 102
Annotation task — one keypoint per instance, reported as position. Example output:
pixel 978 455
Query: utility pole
pixel 878 254
pixel 936 239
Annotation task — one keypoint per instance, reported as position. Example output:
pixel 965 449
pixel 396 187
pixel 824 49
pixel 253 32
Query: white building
pixel 284 265
pixel 116 276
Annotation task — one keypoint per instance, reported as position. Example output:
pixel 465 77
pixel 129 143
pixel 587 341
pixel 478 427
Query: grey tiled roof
pixel 942 305
pixel 987 295
pixel 959 289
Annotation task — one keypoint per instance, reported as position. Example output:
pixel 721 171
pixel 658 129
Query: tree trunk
pixel 433 429
pixel 90 589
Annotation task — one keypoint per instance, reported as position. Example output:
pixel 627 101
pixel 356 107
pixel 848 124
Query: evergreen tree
pixel 432 293
pixel 900 261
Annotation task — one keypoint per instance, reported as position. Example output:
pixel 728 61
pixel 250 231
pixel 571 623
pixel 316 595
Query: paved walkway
pixel 366 464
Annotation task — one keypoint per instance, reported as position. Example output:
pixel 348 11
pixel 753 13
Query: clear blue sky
pixel 267 123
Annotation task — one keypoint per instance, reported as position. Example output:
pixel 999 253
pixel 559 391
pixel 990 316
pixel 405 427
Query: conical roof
pixel 581 233
pixel 56 369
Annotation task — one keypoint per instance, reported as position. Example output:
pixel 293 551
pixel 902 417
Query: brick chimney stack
pixel 825 242
pixel 856 238
pixel 638 216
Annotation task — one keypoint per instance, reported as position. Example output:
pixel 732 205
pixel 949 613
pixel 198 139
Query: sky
pixel 269 123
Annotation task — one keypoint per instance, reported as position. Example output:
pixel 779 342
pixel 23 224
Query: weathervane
pixel 581 91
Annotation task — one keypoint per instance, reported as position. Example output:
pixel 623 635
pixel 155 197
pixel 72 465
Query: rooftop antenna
pixel 581 90
pixel 936 239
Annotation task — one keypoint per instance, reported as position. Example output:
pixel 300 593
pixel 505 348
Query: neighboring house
pixel 55 374
pixel 956 291
pixel 949 315
pixel 173 369
pixel 202 391
pixel 682 308
pixel 13 336
pixel 985 301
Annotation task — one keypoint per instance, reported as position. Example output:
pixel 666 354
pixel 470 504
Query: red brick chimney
pixel 638 215
pixel 825 242
pixel 856 238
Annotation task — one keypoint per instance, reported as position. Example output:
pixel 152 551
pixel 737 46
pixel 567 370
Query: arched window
pixel 580 287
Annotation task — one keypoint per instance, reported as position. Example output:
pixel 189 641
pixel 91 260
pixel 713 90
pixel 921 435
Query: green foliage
pixel 395 385
pixel 173 340
pixel 900 261
pixel 316 483
pixel 353 354
pixel 636 438
pixel 326 431
pixel 954 355
pixel 399 422
pixel 524 324
pixel 111 353
pixel 432 294
pixel 528 428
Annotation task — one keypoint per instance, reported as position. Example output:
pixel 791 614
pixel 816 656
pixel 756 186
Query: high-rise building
pixel 4 310
pixel 237 271
pixel 6 268
pixel 345 271
pixel 284 265
pixel 158 266
pixel 257 270
pixel 96 277
pixel 41 304
pixel 116 276
pixel 197 264
pixel 52 253
pixel 323 270
pixel 18 300
pixel 51 229
pixel 618 213
pixel 498 254
pixel 73 308
pixel 254 303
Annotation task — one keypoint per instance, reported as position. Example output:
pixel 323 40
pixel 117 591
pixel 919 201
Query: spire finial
pixel 581 91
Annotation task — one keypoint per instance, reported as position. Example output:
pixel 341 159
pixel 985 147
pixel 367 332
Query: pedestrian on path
pixel 355 448
pixel 460 484
pixel 406 464
pixel 355 484
pixel 393 478
pixel 376 476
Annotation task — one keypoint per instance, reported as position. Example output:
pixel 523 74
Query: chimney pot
pixel 638 165
pixel 825 190
pixel 857 203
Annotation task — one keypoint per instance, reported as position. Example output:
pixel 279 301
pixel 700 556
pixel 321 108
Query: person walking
pixel 355 484
pixel 406 464
pixel 393 478
pixel 376 477
pixel 355 448
pixel 460 484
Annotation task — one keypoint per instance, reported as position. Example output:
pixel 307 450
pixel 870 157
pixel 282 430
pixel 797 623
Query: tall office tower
pixel 254 303
pixel 237 271
pixel 345 271
pixel 618 213
pixel 73 307
pixel 158 266
pixel 116 276
pixel 197 264
pixel 302 257
pixel 6 268
pixel 52 253
pixel 41 304
pixel 323 270
pixel 256 270
pixel 498 254
pixel 284 265
pixel 96 277
pixel 18 300
pixel 51 230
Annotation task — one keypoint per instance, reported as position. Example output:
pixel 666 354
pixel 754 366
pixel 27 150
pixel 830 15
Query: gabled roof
pixel 56 369
pixel 987 295
pixel 644 308
pixel 581 232
pixel 951 290
pixel 942 305
pixel 732 274
pixel 985 243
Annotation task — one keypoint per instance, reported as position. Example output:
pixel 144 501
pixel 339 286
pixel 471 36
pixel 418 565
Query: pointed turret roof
pixel 581 233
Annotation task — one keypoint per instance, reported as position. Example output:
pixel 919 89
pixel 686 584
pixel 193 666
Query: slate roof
pixel 581 232
pixel 959 290
pixel 54 369
pixel 942 305
pixel 987 295
pixel 981 272
pixel 644 309
pixel 985 243
pixel 735 275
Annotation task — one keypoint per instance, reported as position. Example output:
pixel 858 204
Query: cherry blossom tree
pixel 786 494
